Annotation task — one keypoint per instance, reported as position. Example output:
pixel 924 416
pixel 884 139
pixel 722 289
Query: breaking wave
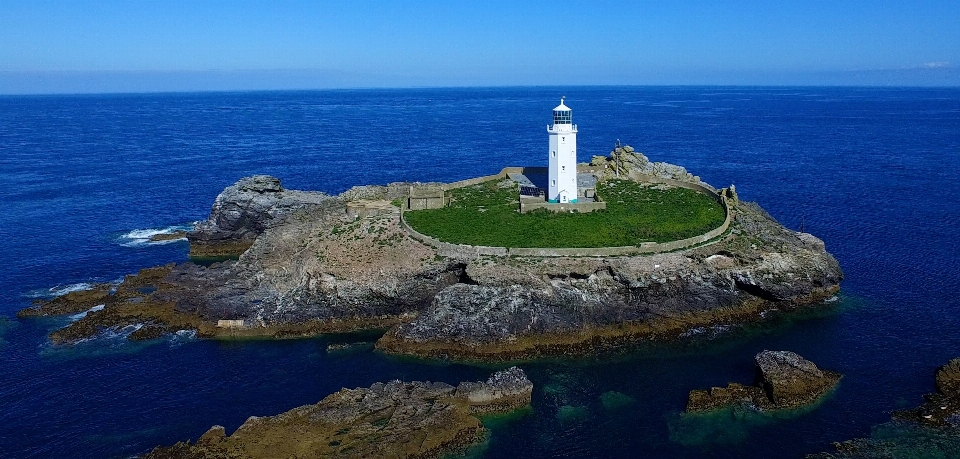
pixel 144 237
pixel 58 290
pixel 83 314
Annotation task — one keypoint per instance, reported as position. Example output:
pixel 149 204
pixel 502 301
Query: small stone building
pixel 426 197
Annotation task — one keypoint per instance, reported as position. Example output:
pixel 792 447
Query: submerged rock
pixel 172 236
pixel 784 380
pixel 396 419
pixel 931 430
pixel 942 408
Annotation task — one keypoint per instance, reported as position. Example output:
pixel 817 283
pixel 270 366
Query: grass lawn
pixel 486 214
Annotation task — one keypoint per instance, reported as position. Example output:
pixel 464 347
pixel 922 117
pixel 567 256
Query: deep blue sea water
pixel 873 172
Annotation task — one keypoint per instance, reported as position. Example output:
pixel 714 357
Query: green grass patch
pixel 487 215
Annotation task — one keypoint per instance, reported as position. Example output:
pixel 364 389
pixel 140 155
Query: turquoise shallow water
pixel 873 172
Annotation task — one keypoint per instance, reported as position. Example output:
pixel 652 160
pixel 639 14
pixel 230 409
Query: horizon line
pixel 455 87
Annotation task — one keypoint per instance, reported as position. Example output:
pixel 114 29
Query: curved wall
pixel 447 248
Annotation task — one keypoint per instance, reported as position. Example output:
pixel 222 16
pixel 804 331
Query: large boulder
pixel 790 381
pixel 784 380
pixel 396 419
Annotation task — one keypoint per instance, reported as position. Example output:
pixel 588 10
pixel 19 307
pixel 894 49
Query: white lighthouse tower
pixel 563 156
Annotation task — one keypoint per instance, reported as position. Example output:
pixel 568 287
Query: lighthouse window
pixel 563 168
pixel 554 154
pixel 561 117
pixel 553 183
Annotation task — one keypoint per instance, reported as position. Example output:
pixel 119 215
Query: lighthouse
pixel 563 156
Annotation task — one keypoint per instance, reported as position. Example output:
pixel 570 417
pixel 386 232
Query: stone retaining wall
pixel 448 249
pixel 486 178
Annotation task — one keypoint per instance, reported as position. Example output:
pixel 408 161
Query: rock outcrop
pixel 784 380
pixel 243 211
pixel 624 162
pixel 396 419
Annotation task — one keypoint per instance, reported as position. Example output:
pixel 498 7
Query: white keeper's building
pixel 562 185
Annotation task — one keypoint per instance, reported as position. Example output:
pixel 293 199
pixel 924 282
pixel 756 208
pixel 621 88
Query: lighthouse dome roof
pixel 561 107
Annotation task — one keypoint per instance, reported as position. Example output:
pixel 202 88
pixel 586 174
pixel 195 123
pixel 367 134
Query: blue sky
pixel 104 46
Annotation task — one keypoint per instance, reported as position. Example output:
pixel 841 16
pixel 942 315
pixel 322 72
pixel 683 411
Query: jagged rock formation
pixel 624 162
pixel 396 419
pixel 243 211
pixel 312 269
pixel 249 207
pixel 784 380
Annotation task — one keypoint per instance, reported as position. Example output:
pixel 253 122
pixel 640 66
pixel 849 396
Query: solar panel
pixel 530 191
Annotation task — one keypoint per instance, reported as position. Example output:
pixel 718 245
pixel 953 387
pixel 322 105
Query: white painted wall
pixel 562 185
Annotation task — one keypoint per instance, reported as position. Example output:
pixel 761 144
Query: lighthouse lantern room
pixel 563 156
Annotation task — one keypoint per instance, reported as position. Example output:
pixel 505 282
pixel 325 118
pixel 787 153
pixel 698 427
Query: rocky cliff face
pixel 396 419
pixel 312 269
pixel 529 307
pixel 243 211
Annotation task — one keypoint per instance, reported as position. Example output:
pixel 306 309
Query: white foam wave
pixel 142 237
pixel 58 290
pixel 83 314
pixel 182 336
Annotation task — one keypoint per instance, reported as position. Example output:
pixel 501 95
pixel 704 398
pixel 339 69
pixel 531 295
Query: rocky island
pixel 396 419
pixel 784 380
pixel 310 263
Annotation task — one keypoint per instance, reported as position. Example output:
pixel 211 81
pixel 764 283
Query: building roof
pixel 561 107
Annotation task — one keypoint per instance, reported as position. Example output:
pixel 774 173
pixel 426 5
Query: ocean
pixel 85 179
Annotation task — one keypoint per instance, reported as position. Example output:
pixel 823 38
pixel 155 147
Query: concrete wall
pixel 486 178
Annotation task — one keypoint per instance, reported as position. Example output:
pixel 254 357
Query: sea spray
pixel 57 290
pixel 147 237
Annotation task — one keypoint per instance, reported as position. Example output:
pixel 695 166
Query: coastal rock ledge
pixel 311 263
pixel 784 380
pixel 396 419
